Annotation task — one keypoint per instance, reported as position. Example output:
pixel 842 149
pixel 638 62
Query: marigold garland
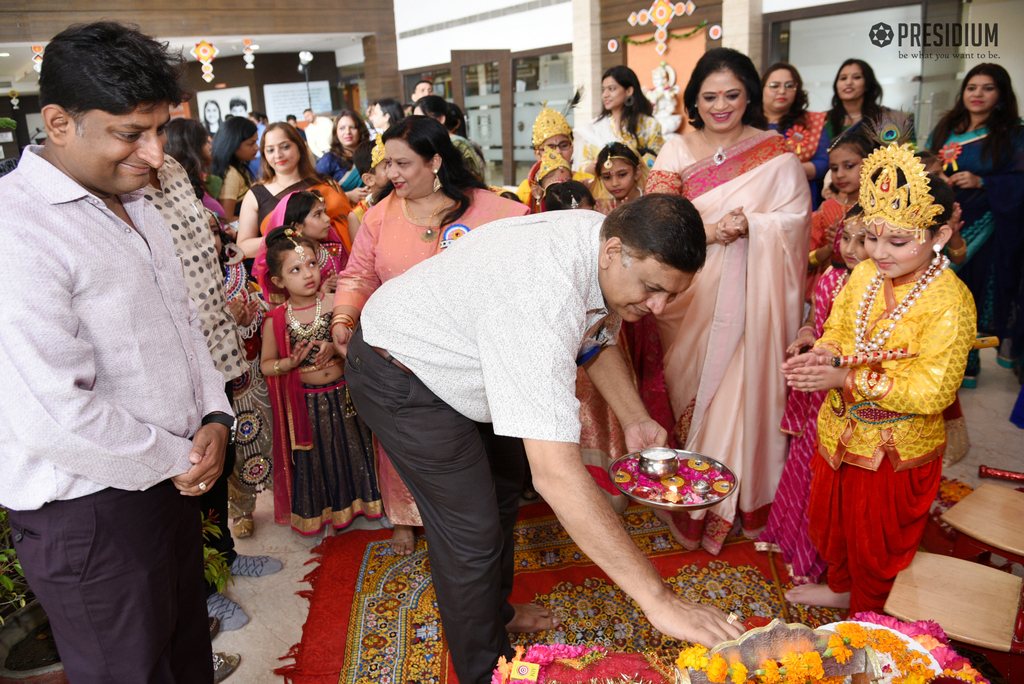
pixel 738 673
pixel 718 669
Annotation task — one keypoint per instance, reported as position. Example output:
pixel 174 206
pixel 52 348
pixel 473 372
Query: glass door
pixel 482 86
pixel 539 79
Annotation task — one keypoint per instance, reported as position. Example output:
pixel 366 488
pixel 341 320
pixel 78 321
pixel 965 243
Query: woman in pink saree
pixel 722 340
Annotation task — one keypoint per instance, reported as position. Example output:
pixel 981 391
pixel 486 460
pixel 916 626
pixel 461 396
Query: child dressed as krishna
pixel 892 356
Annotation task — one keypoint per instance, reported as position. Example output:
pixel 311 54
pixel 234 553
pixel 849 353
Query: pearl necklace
pixel 886 326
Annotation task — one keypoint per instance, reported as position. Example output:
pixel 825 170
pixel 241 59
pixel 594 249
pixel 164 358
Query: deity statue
pixel 663 98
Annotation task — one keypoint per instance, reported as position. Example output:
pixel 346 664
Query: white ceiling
pixel 17 68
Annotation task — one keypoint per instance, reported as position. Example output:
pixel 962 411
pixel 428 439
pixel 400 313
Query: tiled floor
pixel 278 614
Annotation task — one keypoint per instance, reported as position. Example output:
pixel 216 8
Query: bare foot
pixel 403 543
pixel 818 595
pixel 531 618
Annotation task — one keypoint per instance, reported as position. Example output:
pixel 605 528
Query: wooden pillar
pixel 380 59
pixel 741 27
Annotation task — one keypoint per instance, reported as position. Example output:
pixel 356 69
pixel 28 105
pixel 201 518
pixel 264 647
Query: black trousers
pixel 120 575
pixel 467 482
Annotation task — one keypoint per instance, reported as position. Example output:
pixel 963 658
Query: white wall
pixel 1009 14
pixel 527 30
pixel 768 6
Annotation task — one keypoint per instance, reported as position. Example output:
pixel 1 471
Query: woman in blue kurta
pixel 980 143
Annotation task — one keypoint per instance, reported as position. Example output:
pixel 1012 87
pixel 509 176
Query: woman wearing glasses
pixel 287 168
pixel 785 106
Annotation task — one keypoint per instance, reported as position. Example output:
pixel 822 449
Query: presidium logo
pixel 936 35
pixel 880 34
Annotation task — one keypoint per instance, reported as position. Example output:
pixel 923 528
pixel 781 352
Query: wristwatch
pixel 222 418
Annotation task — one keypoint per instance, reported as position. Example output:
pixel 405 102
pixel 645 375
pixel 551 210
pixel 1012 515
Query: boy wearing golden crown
pixel 551 133
pixel 892 356
pixel 367 159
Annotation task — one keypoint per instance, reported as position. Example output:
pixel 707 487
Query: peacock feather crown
pixel 909 207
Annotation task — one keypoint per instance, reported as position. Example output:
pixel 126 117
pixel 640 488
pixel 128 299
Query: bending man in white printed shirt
pixel 490 332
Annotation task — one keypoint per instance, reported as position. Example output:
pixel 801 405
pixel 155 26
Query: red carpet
pixel 372 616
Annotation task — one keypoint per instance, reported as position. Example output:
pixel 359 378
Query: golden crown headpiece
pixel 377 153
pixel 550 161
pixel 548 124
pixel 909 207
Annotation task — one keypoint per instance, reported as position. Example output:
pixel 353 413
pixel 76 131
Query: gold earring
pixel 437 182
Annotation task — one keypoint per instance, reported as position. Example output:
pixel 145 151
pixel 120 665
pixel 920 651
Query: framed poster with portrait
pixel 214 105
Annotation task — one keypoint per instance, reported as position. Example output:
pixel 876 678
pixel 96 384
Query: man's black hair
pixel 111 67
pixel 666 227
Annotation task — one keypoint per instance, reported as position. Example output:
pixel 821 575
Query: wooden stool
pixel 974 604
pixel 990 520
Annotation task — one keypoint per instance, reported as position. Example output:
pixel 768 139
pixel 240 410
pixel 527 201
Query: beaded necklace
pixel 885 327
pixel 839 285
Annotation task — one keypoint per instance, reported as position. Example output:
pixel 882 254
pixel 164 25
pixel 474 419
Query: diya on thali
pixel 672 479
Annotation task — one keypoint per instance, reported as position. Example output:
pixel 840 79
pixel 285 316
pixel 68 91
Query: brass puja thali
pixel 672 479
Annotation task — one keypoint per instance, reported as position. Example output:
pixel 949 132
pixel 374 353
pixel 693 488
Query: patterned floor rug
pixel 373 616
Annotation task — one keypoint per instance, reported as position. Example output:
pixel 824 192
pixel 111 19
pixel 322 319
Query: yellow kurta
pixel 894 408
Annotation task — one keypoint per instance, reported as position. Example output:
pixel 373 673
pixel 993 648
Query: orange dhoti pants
pixel 868 524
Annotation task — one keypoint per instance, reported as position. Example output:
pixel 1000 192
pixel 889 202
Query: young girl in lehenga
pixel 621 176
pixel 786 531
pixel 316 430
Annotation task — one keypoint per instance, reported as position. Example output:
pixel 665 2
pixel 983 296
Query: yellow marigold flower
pixel 793 663
pixel 738 672
pixel 835 641
pixel 842 654
pixel 695 657
pixel 718 669
pixel 812 664
pixel 771 673
pixel 854 632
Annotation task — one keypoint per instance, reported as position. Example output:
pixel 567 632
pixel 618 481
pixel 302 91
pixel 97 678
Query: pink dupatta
pixel 291 422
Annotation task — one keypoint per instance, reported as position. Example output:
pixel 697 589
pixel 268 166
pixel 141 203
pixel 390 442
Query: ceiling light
pixel 5 54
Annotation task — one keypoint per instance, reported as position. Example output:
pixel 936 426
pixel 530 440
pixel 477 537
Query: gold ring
pixel 202 486
pixel 733 617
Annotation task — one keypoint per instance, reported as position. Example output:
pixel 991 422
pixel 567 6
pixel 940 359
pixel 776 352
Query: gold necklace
pixel 429 234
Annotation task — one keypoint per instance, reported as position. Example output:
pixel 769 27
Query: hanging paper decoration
pixel 14 99
pixel 249 57
pixel 715 32
pixel 204 53
pixel 627 39
pixel 37 57
pixel 661 13
pixel 613 45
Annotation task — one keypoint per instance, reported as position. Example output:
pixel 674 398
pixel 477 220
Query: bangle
pixel 957 253
pixel 813 258
pixel 806 327
pixel 277 367
pixel 343 318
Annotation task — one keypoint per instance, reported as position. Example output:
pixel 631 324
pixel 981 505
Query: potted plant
pixel 8 123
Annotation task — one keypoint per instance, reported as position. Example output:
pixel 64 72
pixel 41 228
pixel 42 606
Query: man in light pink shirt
pixel 113 418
